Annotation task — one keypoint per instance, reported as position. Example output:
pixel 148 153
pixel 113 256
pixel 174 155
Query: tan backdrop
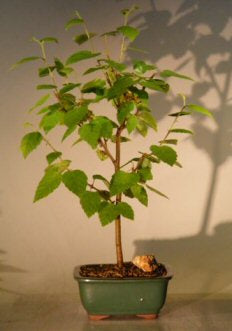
pixel 41 243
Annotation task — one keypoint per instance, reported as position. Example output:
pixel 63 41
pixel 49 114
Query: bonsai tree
pixel 127 90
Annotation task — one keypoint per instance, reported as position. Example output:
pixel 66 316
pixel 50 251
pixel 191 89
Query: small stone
pixel 145 262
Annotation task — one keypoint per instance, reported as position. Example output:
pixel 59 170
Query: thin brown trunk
pixel 118 240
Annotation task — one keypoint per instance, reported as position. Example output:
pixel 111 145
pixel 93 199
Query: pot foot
pixel 148 316
pixel 98 317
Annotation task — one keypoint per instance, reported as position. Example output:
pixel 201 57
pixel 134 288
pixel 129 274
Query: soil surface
pixel 113 271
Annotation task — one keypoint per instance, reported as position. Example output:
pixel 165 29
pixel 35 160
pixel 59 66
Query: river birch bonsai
pixel 127 91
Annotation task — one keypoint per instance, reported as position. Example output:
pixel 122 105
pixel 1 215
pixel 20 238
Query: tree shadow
pixel 197 34
pixel 7 268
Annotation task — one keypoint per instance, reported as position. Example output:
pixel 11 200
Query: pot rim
pixel 77 276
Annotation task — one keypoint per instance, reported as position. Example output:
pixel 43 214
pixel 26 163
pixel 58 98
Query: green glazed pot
pixel 126 296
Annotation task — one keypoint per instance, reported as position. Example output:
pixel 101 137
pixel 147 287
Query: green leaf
pixel 140 193
pixel 155 84
pixel 170 73
pixel 125 210
pixel 80 56
pixel 156 191
pixel 145 174
pixel 148 118
pixel 108 213
pixel 43 72
pixel 75 181
pixel 90 202
pixel 49 40
pixel 132 123
pixel 199 109
pixel 75 116
pixel 142 128
pixel 40 102
pixel 50 120
pixel 99 127
pixel 110 33
pixel 116 65
pixel 122 139
pixel 180 113
pixel 100 177
pixel 94 86
pixel 53 156
pixel 82 38
pixel 141 67
pixel 25 60
pixel 68 132
pixel 129 32
pixel 102 155
pixel 181 131
pixel 73 22
pixel 29 142
pixel 121 181
pixel 45 87
pixel 169 141
pixel 119 87
pixel 90 70
pixel 50 181
pixel 60 166
pixel 68 87
pixel 124 111
pixel 165 154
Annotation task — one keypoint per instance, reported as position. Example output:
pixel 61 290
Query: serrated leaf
pixel 170 73
pixel 169 141
pixel 141 67
pixel 140 193
pixel 68 132
pixel 80 56
pixel 94 86
pixel 125 210
pixel 108 213
pixel 68 87
pixel 199 109
pixel 129 32
pixel 181 131
pixel 45 87
pixel 145 174
pixel 155 84
pixel 165 154
pixel 148 118
pixel 119 87
pixel 49 40
pixel 99 127
pixel 142 128
pixel 157 191
pixel 53 156
pixel 60 166
pixel 29 142
pixel 82 38
pixel 100 177
pixel 51 120
pixel 124 111
pixel 72 22
pixel 75 181
pixel 50 108
pixel 132 123
pixel 75 116
pixel 40 102
pixel 121 181
pixel 50 181
pixel 90 202
pixel 25 60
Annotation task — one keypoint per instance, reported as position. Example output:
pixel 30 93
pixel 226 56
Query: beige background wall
pixel 41 243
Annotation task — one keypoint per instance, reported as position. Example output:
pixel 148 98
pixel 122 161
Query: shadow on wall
pixel 197 34
pixel 6 268
pixel 201 263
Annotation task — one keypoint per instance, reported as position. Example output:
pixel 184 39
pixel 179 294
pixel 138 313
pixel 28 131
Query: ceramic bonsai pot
pixel 102 298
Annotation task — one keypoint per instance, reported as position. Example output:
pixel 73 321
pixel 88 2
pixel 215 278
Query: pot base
pixel 103 317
